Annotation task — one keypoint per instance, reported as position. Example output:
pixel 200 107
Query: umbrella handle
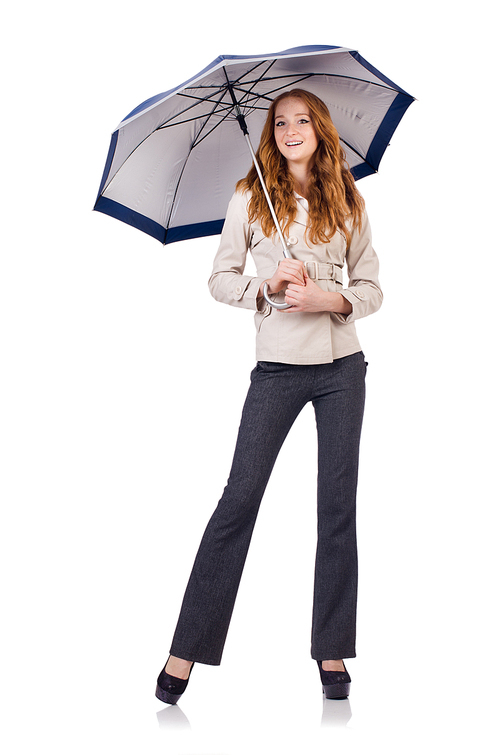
pixel 274 304
pixel 283 305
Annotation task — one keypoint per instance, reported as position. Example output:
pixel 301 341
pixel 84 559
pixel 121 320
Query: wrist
pixel 339 304
pixel 345 306
pixel 270 289
pixel 332 302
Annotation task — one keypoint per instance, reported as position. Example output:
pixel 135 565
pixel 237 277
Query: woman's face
pixel 294 132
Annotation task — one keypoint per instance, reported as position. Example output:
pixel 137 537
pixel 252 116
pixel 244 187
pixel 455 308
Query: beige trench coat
pixel 299 337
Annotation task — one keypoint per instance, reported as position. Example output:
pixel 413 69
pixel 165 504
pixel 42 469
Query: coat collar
pixel 302 216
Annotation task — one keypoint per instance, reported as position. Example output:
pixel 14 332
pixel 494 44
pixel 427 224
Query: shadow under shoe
pixel 336 684
pixel 170 688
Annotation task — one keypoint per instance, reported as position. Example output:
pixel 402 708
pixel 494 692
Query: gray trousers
pixel 276 395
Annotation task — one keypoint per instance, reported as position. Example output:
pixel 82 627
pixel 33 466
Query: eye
pixel 303 120
pixel 279 123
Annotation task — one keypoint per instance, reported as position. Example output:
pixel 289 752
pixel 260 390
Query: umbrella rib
pixel 218 90
pixel 238 84
pixel 199 141
pixel 169 124
pixel 277 89
pixel 248 92
pixel 202 99
pixel 199 100
pixel 292 76
pixel 266 97
pixel 247 73
pixel 254 96
pixel 221 91
pixel 330 75
pixel 223 112
pixel 178 183
pixel 224 88
pixel 224 109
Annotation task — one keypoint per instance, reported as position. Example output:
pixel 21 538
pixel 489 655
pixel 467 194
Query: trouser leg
pixel 339 414
pixel 273 402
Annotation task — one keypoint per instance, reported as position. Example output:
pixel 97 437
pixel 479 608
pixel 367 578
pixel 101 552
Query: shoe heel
pixel 166 697
pixel 337 691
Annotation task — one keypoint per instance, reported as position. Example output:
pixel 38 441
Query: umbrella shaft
pixel 268 198
pixel 241 120
pixel 276 223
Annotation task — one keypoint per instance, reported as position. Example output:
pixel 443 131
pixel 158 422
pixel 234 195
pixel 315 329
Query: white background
pixel 122 383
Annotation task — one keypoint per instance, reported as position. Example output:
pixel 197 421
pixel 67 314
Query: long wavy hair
pixel 334 201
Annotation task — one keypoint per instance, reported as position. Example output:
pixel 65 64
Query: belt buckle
pixel 315 264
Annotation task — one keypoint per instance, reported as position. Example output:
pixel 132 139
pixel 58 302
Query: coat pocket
pixel 260 316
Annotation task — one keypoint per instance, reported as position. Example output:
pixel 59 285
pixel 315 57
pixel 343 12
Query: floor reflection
pixel 172 717
pixel 336 713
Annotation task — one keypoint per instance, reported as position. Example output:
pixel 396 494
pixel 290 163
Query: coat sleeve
pixel 364 290
pixel 228 284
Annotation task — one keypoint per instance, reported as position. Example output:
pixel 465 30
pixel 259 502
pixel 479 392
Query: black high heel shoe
pixel 336 684
pixel 170 688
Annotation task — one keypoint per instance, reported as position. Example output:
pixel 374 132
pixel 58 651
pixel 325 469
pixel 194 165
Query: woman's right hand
pixel 288 271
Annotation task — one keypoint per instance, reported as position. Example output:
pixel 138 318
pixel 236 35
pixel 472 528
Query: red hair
pixel 332 195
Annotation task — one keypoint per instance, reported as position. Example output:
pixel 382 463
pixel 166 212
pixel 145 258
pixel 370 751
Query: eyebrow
pixel 295 115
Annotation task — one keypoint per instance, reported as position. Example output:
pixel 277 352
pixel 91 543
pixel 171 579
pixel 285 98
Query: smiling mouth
pixel 293 144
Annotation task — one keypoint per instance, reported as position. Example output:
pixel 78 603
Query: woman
pixel 308 352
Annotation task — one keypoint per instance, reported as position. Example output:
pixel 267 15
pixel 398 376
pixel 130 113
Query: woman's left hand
pixel 312 298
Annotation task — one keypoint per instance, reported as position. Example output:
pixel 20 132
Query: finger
pixel 291 265
pixel 294 276
pixel 295 265
pixel 295 292
pixel 291 269
pixel 299 285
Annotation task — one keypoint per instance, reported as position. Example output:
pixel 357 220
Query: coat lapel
pixel 302 216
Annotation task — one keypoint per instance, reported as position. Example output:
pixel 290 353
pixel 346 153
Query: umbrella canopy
pixel 174 161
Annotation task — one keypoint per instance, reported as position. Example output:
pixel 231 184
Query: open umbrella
pixel 174 160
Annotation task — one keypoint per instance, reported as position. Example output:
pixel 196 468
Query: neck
pixel 300 175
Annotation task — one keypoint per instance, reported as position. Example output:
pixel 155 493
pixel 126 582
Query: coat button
pixel 293 240
pixel 238 289
pixel 360 293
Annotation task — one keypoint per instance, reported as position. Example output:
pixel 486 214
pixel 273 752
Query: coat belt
pixel 324 271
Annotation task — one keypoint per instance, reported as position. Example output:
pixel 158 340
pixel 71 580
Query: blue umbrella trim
pixel 131 217
pixel 194 231
pixel 354 54
pixel 182 232
pixel 386 129
pixel 154 229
